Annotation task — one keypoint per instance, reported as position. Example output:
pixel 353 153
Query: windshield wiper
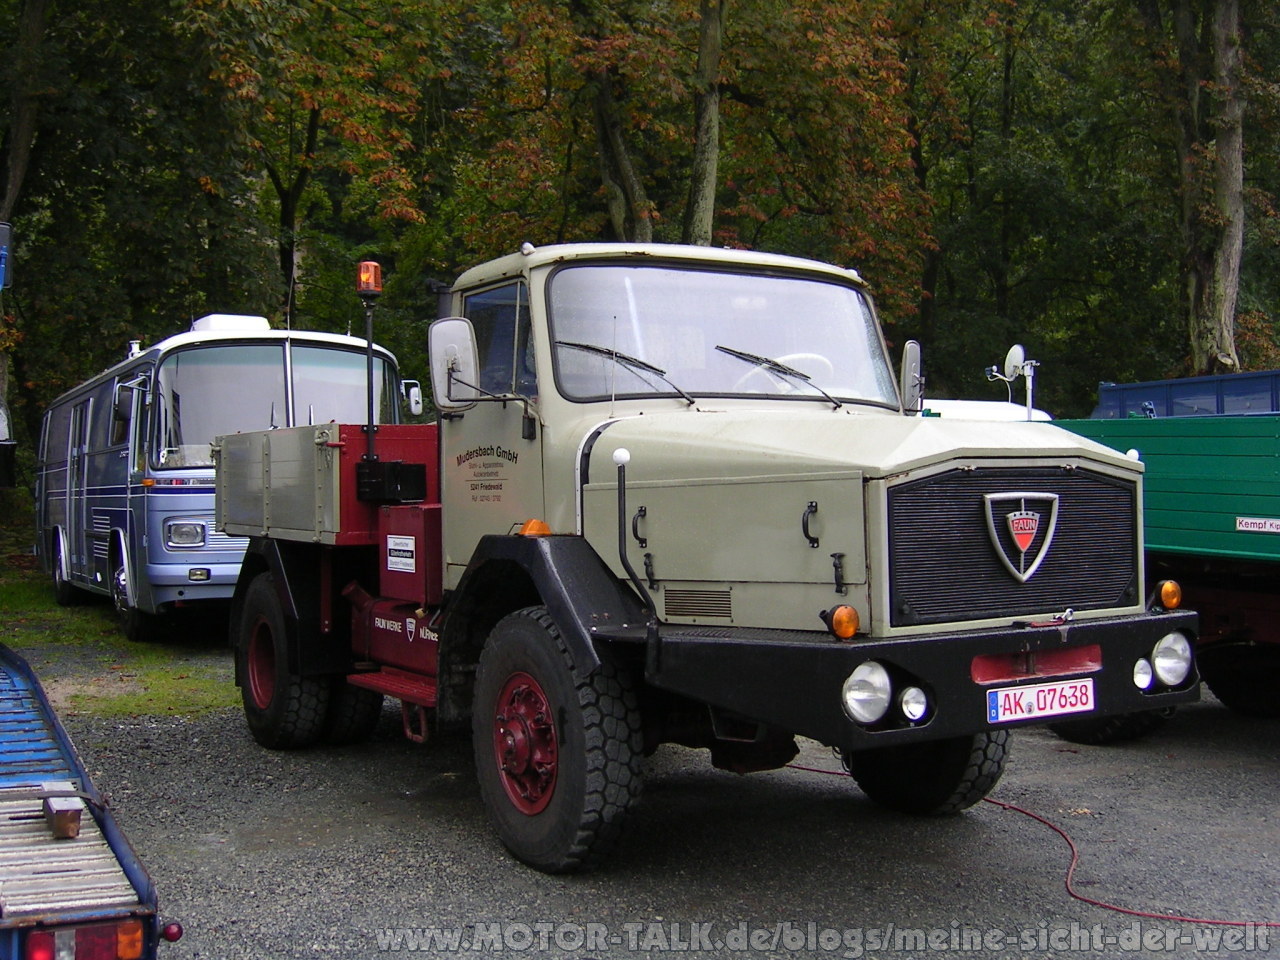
pixel 768 363
pixel 628 361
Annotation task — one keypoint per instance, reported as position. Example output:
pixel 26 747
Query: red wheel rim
pixel 262 665
pixel 524 743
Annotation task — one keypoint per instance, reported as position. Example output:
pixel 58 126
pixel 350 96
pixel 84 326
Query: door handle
pixel 635 527
pixel 809 511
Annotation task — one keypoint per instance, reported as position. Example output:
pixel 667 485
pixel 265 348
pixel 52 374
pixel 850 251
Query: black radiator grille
pixel 943 565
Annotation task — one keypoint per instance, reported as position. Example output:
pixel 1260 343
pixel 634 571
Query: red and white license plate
pixel 1040 700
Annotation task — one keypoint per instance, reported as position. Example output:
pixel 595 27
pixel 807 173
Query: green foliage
pixel 999 171
pixel 121 229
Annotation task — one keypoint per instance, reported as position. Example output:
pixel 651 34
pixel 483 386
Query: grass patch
pixel 31 616
pixel 160 691
pixel 88 666
pixel 24 595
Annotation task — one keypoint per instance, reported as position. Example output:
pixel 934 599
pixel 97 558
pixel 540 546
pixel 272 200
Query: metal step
pixel 409 687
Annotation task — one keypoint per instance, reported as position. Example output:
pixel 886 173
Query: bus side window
pixel 56 435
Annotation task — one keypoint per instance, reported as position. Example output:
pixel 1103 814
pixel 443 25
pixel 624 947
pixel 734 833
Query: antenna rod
pixel 369 287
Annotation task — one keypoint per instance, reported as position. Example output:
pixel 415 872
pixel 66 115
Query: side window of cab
pixel 504 346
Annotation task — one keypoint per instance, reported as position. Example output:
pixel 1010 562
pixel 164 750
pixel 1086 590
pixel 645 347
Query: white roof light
pixel 230 323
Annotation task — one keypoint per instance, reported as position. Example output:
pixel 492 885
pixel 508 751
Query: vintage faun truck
pixel 676 494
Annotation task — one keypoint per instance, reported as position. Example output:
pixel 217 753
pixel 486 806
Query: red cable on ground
pixel 1068 882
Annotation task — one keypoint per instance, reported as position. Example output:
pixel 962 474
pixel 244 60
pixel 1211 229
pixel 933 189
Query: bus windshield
pixel 204 392
pixel 625 330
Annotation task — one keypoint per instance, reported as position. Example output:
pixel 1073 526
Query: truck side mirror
pixel 911 382
pixel 451 343
pixel 411 390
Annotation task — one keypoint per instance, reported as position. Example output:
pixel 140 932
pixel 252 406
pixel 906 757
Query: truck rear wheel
pixel 934 778
pixel 557 754
pixel 282 709
pixel 353 713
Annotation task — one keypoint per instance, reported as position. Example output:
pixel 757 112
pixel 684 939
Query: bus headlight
pixel 184 533
pixel 1171 659
pixel 867 692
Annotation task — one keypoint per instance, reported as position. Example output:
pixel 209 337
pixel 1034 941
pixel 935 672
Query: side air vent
pixel 686 604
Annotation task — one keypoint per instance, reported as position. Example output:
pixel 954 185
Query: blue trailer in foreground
pixel 71 886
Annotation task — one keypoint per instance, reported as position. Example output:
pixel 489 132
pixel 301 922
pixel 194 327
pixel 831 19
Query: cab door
pixel 491 475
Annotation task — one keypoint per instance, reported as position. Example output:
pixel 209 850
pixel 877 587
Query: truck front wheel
pixel 557 754
pixel 1244 678
pixel 1116 729
pixel 282 709
pixel 933 778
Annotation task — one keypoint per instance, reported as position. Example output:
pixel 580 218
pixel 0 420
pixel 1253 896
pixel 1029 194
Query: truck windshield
pixel 676 318
pixel 205 392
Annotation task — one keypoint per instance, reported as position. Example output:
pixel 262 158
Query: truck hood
pixel 743 443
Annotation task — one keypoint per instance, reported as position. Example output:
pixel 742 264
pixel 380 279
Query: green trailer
pixel 1212 522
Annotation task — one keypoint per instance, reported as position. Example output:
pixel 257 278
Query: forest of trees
pixel 1096 179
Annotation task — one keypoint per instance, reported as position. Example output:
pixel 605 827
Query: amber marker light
pixel 842 621
pixel 1170 594
pixel 369 279
pixel 535 528
pixel 129 940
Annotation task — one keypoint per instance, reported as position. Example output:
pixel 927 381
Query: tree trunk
pixel 289 194
pixel 629 207
pixel 1213 346
pixel 23 101
pixel 700 211
pixel 15 147
pixel 1002 257
pixel 1209 112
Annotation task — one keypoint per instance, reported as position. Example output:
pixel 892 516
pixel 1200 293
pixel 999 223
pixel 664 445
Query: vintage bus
pixel 125 471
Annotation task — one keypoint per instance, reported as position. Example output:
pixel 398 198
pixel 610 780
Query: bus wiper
pixel 769 363
pixel 628 361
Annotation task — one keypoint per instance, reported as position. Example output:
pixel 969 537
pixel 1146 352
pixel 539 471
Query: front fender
pixel 562 572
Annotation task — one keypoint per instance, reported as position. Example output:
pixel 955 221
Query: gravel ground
pixel 357 852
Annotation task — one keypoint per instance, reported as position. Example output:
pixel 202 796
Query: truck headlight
pixel 184 533
pixel 867 692
pixel 1171 659
pixel 914 703
pixel 1142 675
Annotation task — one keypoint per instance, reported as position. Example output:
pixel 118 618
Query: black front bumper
pixel 793 681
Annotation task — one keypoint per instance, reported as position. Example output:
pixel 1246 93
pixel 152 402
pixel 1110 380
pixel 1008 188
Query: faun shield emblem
pixel 410 625
pixel 1020 530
